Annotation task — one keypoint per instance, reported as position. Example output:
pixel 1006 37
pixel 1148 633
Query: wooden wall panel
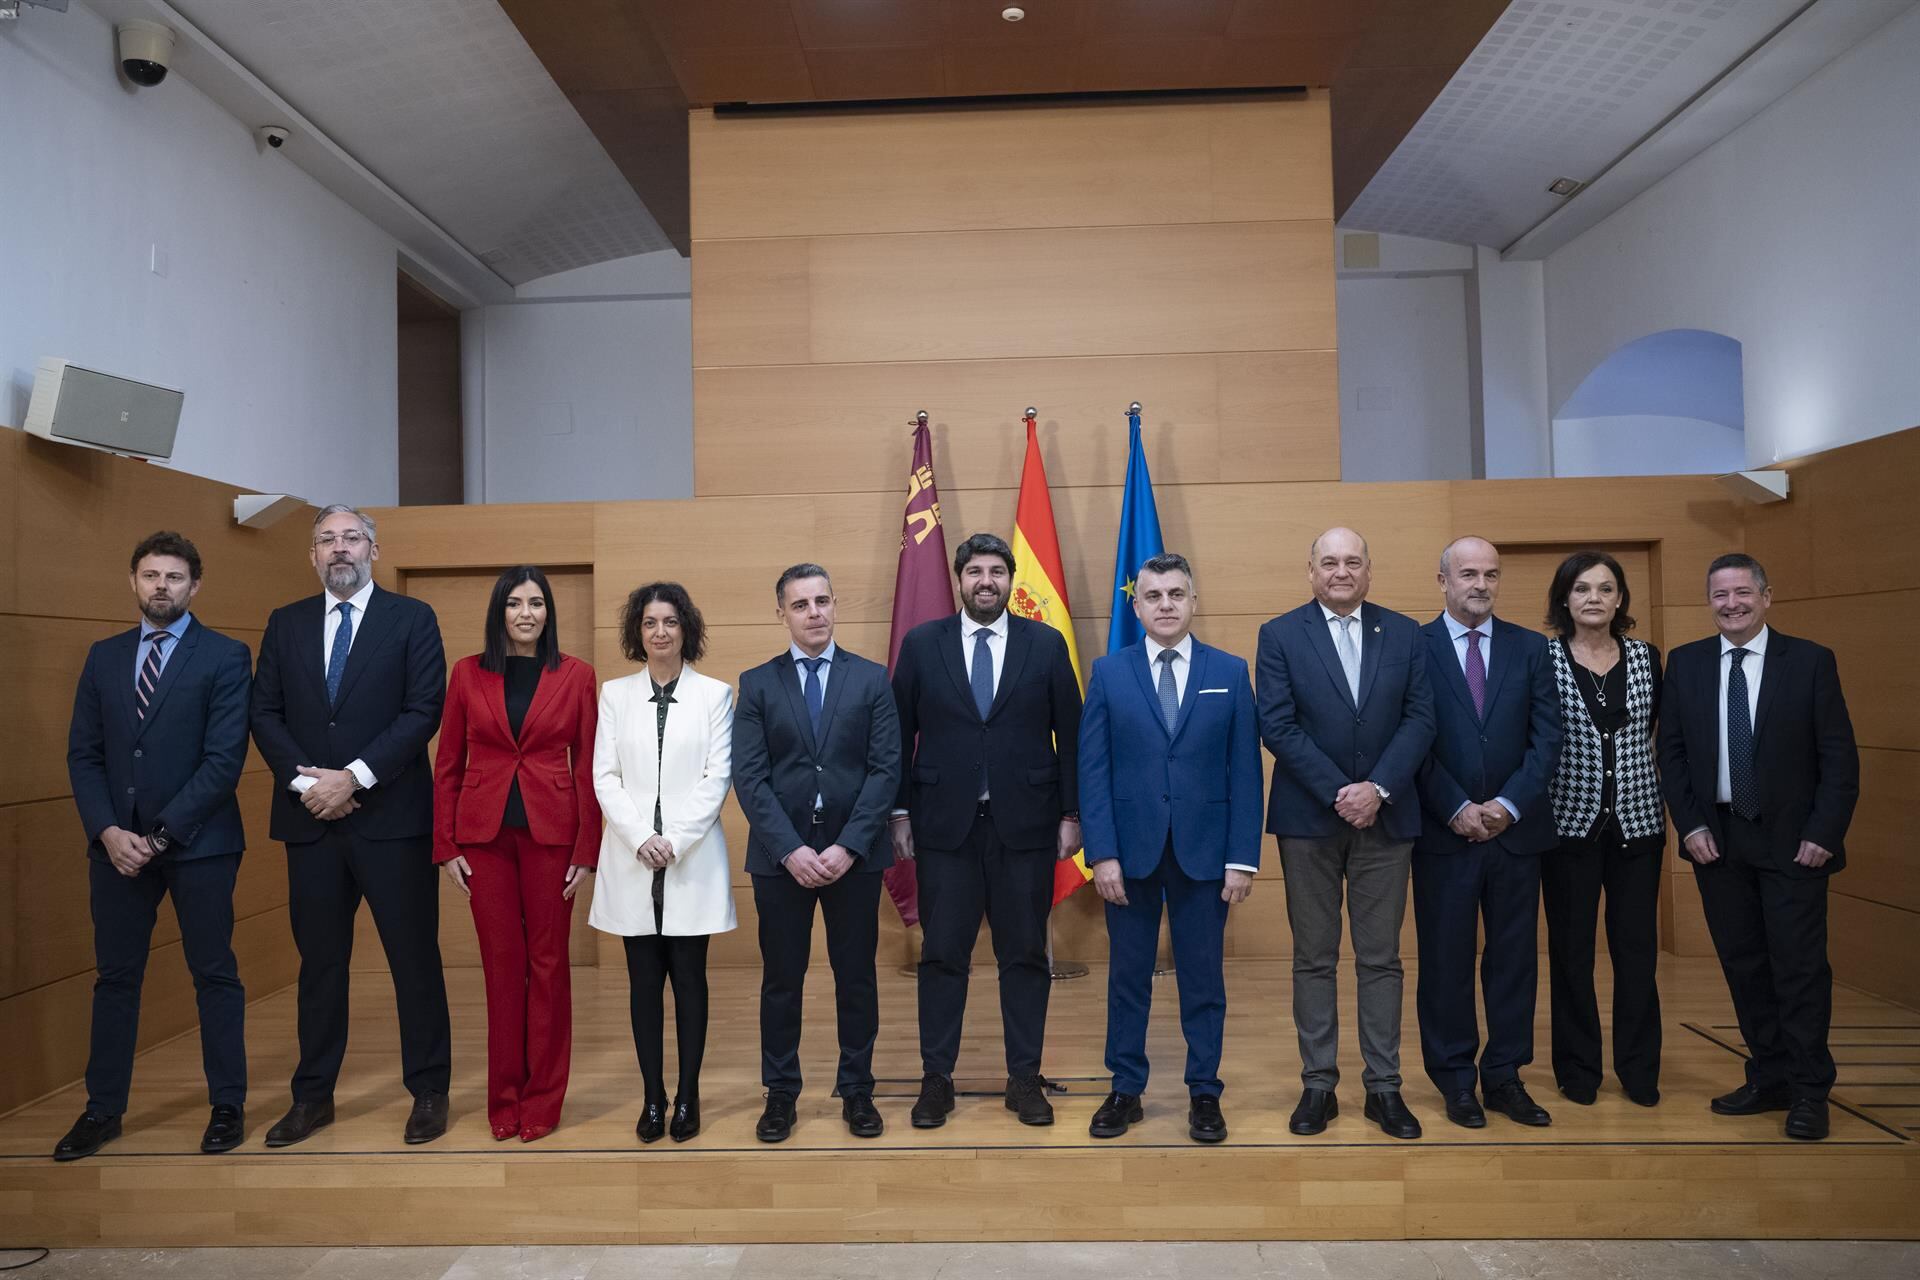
pixel 1872 637
pixel 1882 865
pixel 1849 527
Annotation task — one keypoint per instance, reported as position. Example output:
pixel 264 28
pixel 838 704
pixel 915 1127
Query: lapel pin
pixel 1376 629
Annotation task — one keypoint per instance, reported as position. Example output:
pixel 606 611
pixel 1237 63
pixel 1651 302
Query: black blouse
pixel 523 678
pixel 1606 699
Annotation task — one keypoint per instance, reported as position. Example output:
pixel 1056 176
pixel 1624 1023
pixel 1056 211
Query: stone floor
pixel 1438 1260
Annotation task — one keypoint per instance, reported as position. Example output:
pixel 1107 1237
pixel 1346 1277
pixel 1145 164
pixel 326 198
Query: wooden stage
pixel 1611 1170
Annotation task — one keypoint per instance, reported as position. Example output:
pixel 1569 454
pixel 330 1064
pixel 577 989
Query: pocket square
pixel 1216 691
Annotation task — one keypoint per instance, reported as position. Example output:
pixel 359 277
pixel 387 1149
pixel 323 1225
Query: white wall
pixel 583 389
pixel 1510 309
pixel 1799 236
pixel 1404 412
pixel 276 312
pixel 1621 446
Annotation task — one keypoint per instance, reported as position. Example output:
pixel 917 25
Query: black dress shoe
pixel 298 1124
pixel 428 1119
pixel 1511 1099
pixel 1582 1094
pixel 1750 1100
pixel 90 1132
pixel 226 1129
pixel 1648 1097
pixel 1391 1114
pixel 862 1117
pixel 1116 1115
pixel 935 1103
pixel 776 1122
pixel 1316 1107
pixel 1027 1098
pixel 1807 1119
pixel 1204 1121
pixel 653 1121
pixel 685 1124
pixel 1464 1110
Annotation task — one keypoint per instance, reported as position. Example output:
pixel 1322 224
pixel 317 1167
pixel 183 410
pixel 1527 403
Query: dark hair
pixel 547 648
pixel 166 543
pixel 693 628
pixel 982 544
pixel 793 573
pixel 1560 617
pixel 1167 562
pixel 1731 560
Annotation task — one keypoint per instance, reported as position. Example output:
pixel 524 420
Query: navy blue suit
pixel 1175 807
pixel 177 768
pixel 1510 750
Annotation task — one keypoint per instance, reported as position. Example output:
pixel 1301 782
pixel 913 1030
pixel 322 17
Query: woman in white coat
pixel 662 761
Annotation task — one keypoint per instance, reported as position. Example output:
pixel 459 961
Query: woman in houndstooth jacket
pixel 1606 805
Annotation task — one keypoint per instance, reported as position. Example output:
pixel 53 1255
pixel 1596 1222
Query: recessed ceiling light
pixel 1013 13
pixel 1565 186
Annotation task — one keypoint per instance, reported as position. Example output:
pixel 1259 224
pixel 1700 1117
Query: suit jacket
pixel 1804 753
pixel 1028 742
pixel 689 777
pixel 1321 741
pixel 479 760
pixel 1512 752
pixel 779 767
pixel 1200 782
pixel 389 707
pixel 180 766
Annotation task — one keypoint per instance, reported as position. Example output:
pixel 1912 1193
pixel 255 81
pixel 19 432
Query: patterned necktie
pixel 1169 692
pixel 815 695
pixel 337 660
pixel 1350 656
pixel 982 673
pixel 1476 674
pixel 1745 787
pixel 149 671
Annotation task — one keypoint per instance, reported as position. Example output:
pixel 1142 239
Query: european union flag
pixel 1139 539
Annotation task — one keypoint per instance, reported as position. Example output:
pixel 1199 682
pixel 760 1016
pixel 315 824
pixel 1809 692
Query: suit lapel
pixel 1371 638
pixel 837 675
pixel 1321 640
pixel 1500 665
pixel 120 677
pixel 1136 657
pixel 1019 645
pixel 310 643
pixel 948 641
pixel 492 687
pixel 544 694
pixel 1772 668
pixel 182 654
pixel 371 630
pixel 1196 674
pixel 1441 658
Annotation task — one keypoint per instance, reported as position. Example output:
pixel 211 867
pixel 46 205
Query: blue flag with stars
pixel 1139 540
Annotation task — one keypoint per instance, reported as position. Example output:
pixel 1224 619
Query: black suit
pixel 851 768
pixel 996 858
pixel 1767 914
pixel 176 768
pixel 387 710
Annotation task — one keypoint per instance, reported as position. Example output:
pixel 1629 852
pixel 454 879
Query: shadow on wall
pixel 1666 404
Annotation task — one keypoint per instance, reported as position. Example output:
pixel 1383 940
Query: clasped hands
pixel 1481 822
pixel 331 796
pixel 816 869
pixel 655 851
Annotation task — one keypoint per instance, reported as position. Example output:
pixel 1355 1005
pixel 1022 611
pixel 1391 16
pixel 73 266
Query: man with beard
pixel 989 727
pixel 346 696
pixel 158 739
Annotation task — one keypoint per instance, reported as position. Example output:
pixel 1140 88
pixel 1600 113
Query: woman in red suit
pixel 517 827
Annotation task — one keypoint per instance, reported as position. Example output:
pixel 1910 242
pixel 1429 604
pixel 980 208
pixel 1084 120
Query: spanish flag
pixel 1040 594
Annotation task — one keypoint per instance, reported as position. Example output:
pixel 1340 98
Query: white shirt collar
pixel 800 655
pixel 1331 615
pixel 1756 645
pixel 358 600
pixel 1155 649
pixel 1457 628
pixel 998 626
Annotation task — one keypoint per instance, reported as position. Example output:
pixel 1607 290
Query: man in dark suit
pixel 989 727
pixel 1347 713
pixel 816 766
pixel 1760 771
pixel 1170 807
pixel 1485 821
pixel 346 697
pixel 154 753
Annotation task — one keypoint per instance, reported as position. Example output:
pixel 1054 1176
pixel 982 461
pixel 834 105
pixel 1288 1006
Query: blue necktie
pixel 1169 692
pixel 1744 786
pixel 982 673
pixel 337 660
pixel 815 698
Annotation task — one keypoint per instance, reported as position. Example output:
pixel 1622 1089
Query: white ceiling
pixel 1556 88
pixel 444 101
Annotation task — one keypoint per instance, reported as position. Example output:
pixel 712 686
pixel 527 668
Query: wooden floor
pixel 1613 1169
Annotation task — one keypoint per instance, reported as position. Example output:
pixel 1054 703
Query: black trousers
pixel 1013 889
pixel 1572 879
pixel 1454 894
pixel 851 906
pixel 124 910
pixel 326 879
pixel 654 960
pixel 1770 930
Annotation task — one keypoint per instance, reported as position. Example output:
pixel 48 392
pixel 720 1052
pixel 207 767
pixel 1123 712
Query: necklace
pixel 1599 687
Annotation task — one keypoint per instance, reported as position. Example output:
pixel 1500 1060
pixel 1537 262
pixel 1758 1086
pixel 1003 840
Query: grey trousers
pixel 1374 871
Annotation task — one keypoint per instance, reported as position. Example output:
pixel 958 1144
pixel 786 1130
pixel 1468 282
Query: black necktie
pixel 1744 786
pixel 816 697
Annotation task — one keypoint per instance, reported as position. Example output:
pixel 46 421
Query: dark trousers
pixel 124 909
pixel 654 960
pixel 326 879
pixel 1013 889
pixel 1572 879
pixel 1770 929
pixel 851 906
pixel 1197 919
pixel 1452 892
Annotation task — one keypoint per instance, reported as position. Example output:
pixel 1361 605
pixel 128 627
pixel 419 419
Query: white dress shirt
pixel 1333 631
pixel 357 606
pixel 1459 631
pixel 1750 666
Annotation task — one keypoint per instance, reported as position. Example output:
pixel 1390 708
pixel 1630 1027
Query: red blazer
pixel 478 760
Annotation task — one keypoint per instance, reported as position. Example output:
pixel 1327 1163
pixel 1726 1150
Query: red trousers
pixel 523 922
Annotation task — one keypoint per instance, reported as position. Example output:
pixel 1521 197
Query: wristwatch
pixel 159 839
pixel 1386 796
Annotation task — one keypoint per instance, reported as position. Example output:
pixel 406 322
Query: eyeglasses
pixel 351 540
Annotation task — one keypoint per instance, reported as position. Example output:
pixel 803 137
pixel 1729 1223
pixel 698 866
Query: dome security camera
pixel 272 136
pixel 146 51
